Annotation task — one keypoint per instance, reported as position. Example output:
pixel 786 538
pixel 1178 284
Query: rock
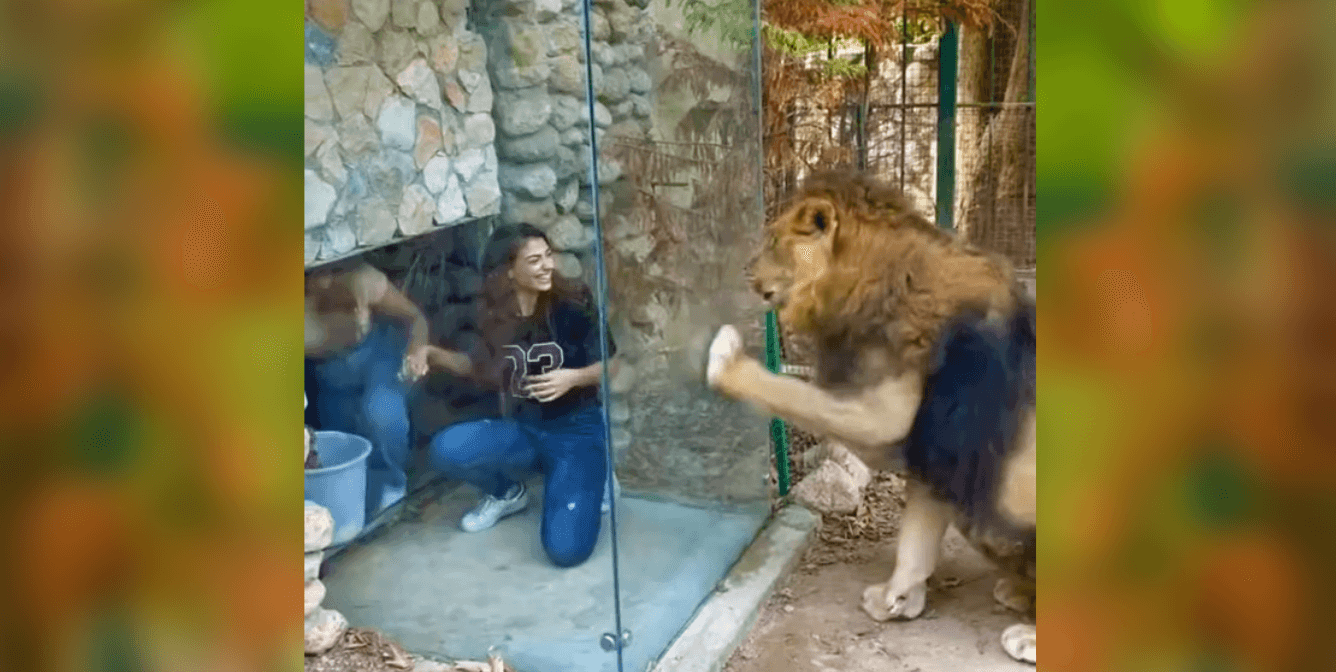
pixel 375 222
pixel 829 489
pixel 564 38
pixel 397 123
pixel 479 131
pixel 436 172
pixel 623 380
pixel 519 55
pixel 330 14
pixel 637 247
pixel 539 146
pixel 331 164
pixel 323 630
pixel 397 50
pixel 566 112
pixel 571 163
pixel 468 163
pixel 428 18
pixel 419 81
pixel 450 205
pixel 356 45
pixel 568 265
pixel 619 412
pixel 530 180
pixel 432 666
pixel 443 52
pixel 622 23
pixel 454 16
pixel 340 239
pixel 388 172
pixel 320 197
pixel 416 210
pixel 311 565
pixel 609 171
pixel 314 239
pixel 639 80
pixel 541 213
pixel 357 137
pixel 472 58
pixel 574 137
pixel 568 75
pixel 602 117
pixel 523 111
pixel 319 530
pixel 481 98
pixel 428 140
pixel 358 89
pixel 547 9
pixel 314 594
pixel 320 46
pixel 317 134
pixel 641 107
pixel 318 105
pixel 567 195
pixel 568 234
pixel 483 195
pixel 616 86
pixel 621 439
pixel 455 95
pixel 372 13
pixel 839 454
pixel 602 31
pixel 404 13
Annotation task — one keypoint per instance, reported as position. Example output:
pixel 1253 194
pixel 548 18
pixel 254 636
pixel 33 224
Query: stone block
pixel 318 105
pixel 320 197
pixel 324 627
pixel 416 210
pixel 319 530
pixel 371 13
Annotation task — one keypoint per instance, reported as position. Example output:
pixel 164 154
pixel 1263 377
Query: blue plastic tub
pixel 340 484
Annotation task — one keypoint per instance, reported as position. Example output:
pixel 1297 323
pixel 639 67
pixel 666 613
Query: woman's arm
pixel 451 360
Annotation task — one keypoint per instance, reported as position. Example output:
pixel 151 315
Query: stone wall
pixel 399 129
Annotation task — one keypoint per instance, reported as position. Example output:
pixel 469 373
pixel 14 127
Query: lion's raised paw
pixel 726 346
pixel 1019 642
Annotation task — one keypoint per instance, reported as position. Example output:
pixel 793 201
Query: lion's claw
pixel 1019 642
pixel 727 344
pixel 882 605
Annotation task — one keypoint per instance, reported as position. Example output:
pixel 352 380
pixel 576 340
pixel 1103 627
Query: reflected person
pixel 364 339
pixel 540 349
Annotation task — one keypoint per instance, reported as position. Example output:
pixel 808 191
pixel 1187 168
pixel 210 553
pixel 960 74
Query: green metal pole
pixel 779 434
pixel 948 55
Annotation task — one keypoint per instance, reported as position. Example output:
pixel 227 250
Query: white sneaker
pixel 616 492
pixel 492 509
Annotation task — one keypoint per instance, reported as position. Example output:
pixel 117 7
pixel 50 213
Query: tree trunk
pixel 996 209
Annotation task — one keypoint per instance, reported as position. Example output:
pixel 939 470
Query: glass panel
pixel 680 214
pixel 433 126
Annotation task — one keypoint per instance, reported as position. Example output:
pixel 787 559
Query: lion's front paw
pixel 1018 642
pixel 725 347
pixel 884 603
pixel 1013 594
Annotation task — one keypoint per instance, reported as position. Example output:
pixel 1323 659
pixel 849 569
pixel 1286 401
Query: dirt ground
pixel 814 622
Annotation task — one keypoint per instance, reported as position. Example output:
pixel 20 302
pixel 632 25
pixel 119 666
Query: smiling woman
pixel 541 352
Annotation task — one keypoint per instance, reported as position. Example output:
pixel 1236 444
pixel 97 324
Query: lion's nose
pixel 767 295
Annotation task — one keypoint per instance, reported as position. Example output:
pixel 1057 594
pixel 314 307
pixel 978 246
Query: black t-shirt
pixel 567 337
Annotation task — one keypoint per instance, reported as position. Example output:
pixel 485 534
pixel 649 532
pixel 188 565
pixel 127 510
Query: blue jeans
pixel 359 392
pixel 570 452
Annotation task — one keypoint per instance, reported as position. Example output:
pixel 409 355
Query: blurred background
pixel 149 375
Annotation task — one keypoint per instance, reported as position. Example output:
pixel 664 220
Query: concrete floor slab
pixel 446 594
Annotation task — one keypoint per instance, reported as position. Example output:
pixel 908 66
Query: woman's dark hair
pixel 499 316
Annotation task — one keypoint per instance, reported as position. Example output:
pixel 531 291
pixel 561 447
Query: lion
pixel 925 365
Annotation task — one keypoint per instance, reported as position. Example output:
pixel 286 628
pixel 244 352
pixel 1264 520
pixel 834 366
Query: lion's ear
pixel 822 218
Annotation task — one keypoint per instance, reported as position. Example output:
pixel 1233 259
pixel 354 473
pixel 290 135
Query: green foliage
pixel 731 20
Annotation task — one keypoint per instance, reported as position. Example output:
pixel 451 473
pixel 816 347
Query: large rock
pixel 616 86
pixel 331 163
pixel 541 213
pixel 357 137
pixel 443 52
pixel 371 12
pixel 519 55
pixel 481 98
pixel 523 111
pixel 319 530
pixel 483 195
pixel 324 627
pixel 568 234
pixel 539 146
pixel 317 134
pixel 356 45
pixel 314 594
pixel 566 112
pixel 311 565
pixel 529 180
pixel 403 13
pixel 830 489
pixel 330 14
pixel 340 239
pixel 397 50
pixel 419 81
pixel 468 163
pixel 397 123
pixel 358 88
pixel 436 174
pixel 429 18
pixel 318 105
pixel 416 210
pixel 320 197
pixel 375 222
pixel 568 265
pixel 429 140
pixel 479 131
pixel 315 238
pixel 450 205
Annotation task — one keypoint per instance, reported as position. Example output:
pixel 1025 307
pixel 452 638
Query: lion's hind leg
pixel 918 547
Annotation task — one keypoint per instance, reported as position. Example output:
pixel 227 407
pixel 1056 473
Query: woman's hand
pixel 415 364
pixel 552 385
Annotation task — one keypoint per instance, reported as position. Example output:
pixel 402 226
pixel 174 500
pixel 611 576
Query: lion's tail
pixel 972 403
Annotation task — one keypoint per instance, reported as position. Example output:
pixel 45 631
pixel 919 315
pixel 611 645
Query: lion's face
pixel 797 252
